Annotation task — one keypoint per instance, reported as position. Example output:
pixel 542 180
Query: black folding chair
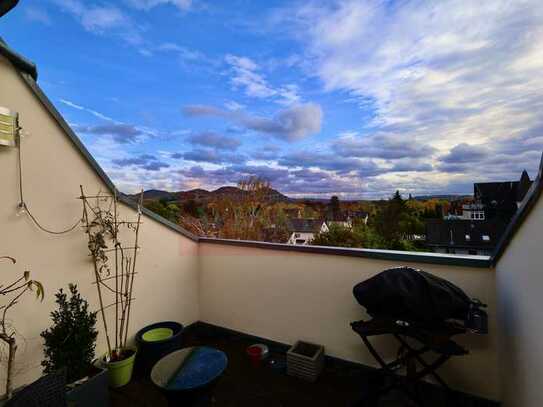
pixel 436 340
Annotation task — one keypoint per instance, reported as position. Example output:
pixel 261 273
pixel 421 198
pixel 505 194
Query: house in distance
pixel 482 222
pixel 303 231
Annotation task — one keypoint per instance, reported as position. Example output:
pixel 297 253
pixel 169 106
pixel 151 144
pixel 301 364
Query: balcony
pixel 275 292
pixel 340 384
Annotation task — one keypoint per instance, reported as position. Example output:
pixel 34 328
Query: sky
pixel 356 98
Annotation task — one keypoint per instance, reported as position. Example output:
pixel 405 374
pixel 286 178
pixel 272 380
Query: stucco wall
pixel 519 276
pixel 287 296
pixel 165 289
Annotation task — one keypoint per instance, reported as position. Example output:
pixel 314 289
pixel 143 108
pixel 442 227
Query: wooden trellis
pixel 112 275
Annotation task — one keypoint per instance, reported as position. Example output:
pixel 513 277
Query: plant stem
pixel 12 348
pixel 96 274
pixel 133 266
pixel 115 241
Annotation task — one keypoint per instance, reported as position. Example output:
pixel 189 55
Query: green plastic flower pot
pixel 157 334
pixel 155 341
pixel 120 372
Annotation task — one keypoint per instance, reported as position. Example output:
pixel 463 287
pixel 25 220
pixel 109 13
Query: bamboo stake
pixel 115 241
pixel 12 349
pixel 124 287
pixel 96 274
pixel 133 265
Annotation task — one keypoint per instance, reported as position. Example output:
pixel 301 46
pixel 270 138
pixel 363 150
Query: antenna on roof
pixel 6 6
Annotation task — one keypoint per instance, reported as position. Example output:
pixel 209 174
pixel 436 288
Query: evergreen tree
pixel 334 207
pixel 70 343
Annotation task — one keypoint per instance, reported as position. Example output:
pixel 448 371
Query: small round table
pixel 187 375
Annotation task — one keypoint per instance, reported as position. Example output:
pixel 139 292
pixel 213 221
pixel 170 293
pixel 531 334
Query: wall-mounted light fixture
pixel 9 127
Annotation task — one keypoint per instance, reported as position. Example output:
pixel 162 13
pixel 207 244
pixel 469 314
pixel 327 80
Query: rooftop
pixel 305 225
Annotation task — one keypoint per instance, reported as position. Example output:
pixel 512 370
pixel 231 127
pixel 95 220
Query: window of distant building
pixel 477 215
pixel 486 238
pixel 468 237
pixel 300 241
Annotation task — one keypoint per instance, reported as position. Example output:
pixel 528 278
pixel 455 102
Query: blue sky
pixel 356 98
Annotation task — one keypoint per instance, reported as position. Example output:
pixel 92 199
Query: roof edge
pixel 18 61
pixel 528 203
pixel 378 254
pixel 6 6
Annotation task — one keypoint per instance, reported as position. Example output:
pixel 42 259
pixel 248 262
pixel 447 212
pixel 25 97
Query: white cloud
pixel 185 52
pixel 182 5
pixel 91 111
pixel 233 105
pixel 245 74
pixel 94 18
pixel 105 20
pixel 289 95
pixel 187 56
pixel 290 124
pixel 438 74
pixel 33 13
pixel 102 18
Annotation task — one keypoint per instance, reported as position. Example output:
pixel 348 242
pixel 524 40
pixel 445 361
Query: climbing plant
pixel 12 293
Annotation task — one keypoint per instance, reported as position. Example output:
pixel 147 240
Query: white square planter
pixel 305 360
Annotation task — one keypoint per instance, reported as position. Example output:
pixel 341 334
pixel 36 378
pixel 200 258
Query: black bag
pixel 408 294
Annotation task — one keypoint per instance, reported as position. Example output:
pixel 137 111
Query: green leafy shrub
pixel 70 343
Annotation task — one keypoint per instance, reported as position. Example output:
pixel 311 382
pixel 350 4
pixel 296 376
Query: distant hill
pixel 445 197
pixel 198 194
pixel 203 195
pixel 155 194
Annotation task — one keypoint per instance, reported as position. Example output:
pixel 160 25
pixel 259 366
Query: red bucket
pixel 255 354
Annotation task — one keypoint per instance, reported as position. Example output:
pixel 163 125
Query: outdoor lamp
pixel 9 127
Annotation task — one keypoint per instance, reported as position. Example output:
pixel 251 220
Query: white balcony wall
pixel 520 292
pixel 167 285
pixel 286 296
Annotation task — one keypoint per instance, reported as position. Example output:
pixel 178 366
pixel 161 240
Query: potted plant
pixel 70 346
pixel 13 292
pixel 114 268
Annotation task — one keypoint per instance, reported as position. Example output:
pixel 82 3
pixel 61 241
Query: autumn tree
pixel 249 215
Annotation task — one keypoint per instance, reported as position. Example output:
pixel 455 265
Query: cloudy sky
pixel 356 98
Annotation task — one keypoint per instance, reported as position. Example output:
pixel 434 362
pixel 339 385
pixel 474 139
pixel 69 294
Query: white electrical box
pixel 8 127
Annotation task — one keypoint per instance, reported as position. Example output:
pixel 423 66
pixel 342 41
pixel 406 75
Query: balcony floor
pixel 242 385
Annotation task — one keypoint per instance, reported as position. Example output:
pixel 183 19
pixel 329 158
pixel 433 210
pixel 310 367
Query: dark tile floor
pixel 267 386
